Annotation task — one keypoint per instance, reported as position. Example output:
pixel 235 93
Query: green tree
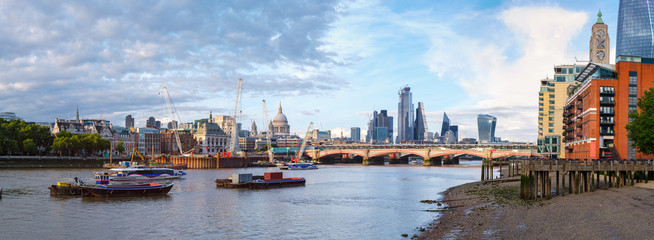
pixel 641 128
pixel 29 147
pixel 119 147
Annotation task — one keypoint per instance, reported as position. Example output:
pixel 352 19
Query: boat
pixel 181 166
pixel 268 180
pixel 137 174
pixel 131 190
pixel 283 166
pixel 66 188
pixel 302 166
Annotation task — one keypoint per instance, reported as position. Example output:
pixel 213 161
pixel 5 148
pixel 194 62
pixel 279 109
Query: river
pixel 338 202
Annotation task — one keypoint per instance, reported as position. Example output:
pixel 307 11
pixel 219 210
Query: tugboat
pixel 67 189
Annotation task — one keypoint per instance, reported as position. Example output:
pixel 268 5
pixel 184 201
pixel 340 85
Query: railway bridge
pixel 371 153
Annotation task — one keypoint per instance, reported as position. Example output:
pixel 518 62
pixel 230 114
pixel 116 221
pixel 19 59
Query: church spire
pixel 77 114
pixel 280 108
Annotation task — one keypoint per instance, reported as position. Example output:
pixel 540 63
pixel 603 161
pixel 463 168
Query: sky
pixel 328 62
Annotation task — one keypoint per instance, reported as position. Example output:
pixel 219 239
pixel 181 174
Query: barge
pixel 134 190
pixel 269 180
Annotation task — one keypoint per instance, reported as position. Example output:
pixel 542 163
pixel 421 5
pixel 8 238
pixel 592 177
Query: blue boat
pixel 134 190
pixel 302 166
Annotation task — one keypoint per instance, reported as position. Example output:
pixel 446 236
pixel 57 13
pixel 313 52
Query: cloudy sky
pixel 327 62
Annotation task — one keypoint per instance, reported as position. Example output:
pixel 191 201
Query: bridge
pixel 372 154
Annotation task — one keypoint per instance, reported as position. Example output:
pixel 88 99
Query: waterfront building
pixel 128 138
pixel 355 134
pixel 72 126
pixel 280 125
pixel 227 124
pixel 446 124
pixel 8 116
pixel 420 125
pixel 247 144
pixel 149 141
pixel 129 121
pixel 405 118
pixel 169 142
pixel 635 26
pixel 173 124
pixel 486 128
pixel 211 139
pixel 291 142
pixel 318 135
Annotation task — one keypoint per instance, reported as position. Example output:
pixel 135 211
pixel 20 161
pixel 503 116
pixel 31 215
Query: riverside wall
pixel 53 162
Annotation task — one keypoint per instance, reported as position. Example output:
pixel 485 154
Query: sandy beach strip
pixel 493 210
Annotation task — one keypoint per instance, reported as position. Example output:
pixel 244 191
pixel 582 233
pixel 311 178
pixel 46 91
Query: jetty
pixel 544 178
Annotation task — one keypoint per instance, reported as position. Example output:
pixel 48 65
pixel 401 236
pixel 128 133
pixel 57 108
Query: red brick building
pixel 597 109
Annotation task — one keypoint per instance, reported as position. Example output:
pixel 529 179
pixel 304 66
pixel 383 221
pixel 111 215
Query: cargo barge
pixel 268 180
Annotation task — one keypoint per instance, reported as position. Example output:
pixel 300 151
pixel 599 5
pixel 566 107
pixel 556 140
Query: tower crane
pixel 233 145
pixel 304 142
pixel 174 116
pixel 266 123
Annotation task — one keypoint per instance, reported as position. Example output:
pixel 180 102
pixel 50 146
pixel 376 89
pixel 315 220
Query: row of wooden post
pixel 583 176
pixel 487 166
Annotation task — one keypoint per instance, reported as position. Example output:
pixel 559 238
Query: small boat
pixel 284 182
pixel 67 189
pixel 283 166
pixel 302 166
pixel 137 175
pixel 133 190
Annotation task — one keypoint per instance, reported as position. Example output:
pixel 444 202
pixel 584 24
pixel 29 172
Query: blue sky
pixel 327 62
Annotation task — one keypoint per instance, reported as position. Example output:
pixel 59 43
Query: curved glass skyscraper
pixel 486 128
pixel 635 23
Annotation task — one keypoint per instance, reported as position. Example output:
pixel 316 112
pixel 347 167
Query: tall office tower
pixel 355 134
pixel 372 124
pixel 420 126
pixel 151 122
pixel 173 124
pixel 446 124
pixel 455 132
pixel 600 42
pixel 635 24
pixel 129 121
pixel 486 128
pixel 405 115
pixel 380 128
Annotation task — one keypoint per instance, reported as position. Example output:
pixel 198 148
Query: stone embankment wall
pixel 53 162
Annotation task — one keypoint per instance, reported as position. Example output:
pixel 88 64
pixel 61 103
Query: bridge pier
pixel 373 161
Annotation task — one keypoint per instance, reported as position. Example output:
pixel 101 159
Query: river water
pixel 338 202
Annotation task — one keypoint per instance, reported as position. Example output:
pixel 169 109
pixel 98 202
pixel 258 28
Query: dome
pixel 280 117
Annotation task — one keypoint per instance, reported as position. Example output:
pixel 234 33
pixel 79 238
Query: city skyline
pixel 333 59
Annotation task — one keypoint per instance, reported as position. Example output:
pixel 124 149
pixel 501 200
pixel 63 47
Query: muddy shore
pixel 493 210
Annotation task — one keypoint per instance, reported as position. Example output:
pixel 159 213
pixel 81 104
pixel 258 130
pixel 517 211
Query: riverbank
pixel 53 162
pixel 493 210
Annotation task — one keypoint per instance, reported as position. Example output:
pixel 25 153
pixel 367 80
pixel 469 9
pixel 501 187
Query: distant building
pixel 253 129
pixel 290 142
pixel 8 116
pixel 151 122
pixel 157 124
pixel 455 132
pixel 247 144
pixel 149 141
pixel 318 135
pixel 420 125
pixel 486 128
pixel 210 139
pixel 172 124
pixel 468 141
pixel 382 120
pixel 355 134
pixel 446 124
pixel 129 121
pixel 635 29
pixel 405 116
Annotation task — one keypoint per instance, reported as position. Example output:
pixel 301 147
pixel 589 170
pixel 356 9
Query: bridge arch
pixel 386 152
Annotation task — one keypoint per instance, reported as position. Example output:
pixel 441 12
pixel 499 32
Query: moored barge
pixel 134 190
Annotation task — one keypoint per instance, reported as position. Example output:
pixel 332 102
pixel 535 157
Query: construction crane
pixel 265 122
pixel 174 117
pixel 233 145
pixel 304 142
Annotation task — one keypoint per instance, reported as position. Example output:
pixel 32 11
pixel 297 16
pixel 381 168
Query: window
pixel 551 130
pixel 540 98
pixel 551 95
pixel 606 89
pixel 551 118
pixel 540 109
pixel 551 112
pixel 633 91
pixel 540 104
pixel 551 101
pixel 551 124
pixel 551 107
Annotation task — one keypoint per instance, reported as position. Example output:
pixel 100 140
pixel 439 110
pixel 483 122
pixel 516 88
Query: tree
pixel 641 128
pixel 29 147
pixel 119 147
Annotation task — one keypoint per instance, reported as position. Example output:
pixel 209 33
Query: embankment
pixel 53 162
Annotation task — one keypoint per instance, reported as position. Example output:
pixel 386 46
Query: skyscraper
pixel 129 121
pixel 486 128
pixel 455 133
pixel 151 122
pixel 405 115
pixel 420 126
pixel 635 23
pixel 355 134
pixel 380 127
pixel 446 124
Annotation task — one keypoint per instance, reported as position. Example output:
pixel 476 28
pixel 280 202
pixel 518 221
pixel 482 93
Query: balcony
pixel 608 103
pixel 604 133
pixel 606 122
pixel 607 93
pixel 607 112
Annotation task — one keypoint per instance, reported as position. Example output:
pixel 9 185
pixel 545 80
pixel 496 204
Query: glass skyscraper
pixel 635 23
pixel 420 127
pixel 486 128
pixel 446 124
pixel 405 115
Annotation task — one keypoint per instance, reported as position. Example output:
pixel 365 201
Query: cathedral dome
pixel 280 117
